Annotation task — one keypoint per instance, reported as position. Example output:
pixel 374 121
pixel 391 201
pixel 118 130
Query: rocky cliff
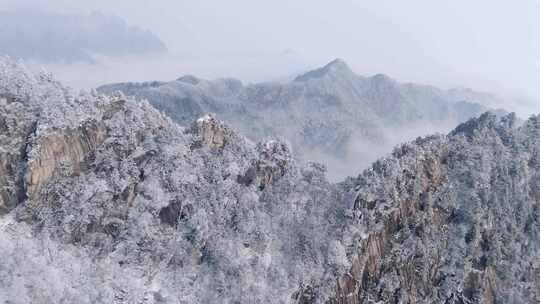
pixel 106 200
pixel 449 219
pixel 114 203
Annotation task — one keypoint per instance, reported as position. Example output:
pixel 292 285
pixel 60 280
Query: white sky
pixel 488 45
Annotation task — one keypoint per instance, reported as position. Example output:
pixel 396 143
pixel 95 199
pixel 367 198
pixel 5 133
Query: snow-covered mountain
pixel 329 114
pixel 106 200
pixel 449 219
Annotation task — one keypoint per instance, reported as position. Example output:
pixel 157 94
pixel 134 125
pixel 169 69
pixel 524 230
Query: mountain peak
pixel 337 63
pixel 189 79
pixel 335 67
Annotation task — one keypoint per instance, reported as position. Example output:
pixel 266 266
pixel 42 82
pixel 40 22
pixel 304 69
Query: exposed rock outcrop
pixel 110 181
pixel 213 133
pixel 273 162
pixel 64 150
pixel 449 220
pixel 119 204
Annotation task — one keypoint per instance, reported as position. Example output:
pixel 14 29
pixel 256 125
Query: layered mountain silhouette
pixel 329 114
pixel 64 38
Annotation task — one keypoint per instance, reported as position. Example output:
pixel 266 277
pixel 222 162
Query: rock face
pixel 449 219
pixel 329 114
pixel 106 200
pixel 66 150
pixel 115 203
pixel 213 133
pixel 14 129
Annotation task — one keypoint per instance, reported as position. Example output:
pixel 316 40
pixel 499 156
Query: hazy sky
pixel 490 45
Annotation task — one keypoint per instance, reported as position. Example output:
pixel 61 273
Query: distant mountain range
pixel 53 37
pixel 328 114
pixel 106 200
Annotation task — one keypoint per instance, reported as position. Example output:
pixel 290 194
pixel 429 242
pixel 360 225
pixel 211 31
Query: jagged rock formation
pixel 449 219
pixel 213 133
pixel 106 200
pixel 328 114
pixel 65 150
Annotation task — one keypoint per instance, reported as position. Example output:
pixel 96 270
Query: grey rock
pixel 448 219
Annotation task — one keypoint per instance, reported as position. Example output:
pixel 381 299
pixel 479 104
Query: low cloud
pixel 362 152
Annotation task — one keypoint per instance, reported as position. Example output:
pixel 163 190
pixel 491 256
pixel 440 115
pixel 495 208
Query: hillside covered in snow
pixel 103 199
pixel 330 114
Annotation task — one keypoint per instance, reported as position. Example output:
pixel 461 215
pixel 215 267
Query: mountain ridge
pixel 335 67
pixel 66 38
pixel 326 113
pixel 121 204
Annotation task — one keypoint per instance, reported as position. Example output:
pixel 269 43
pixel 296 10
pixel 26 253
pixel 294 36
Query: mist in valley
pixel 280 152
pixel 464 46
